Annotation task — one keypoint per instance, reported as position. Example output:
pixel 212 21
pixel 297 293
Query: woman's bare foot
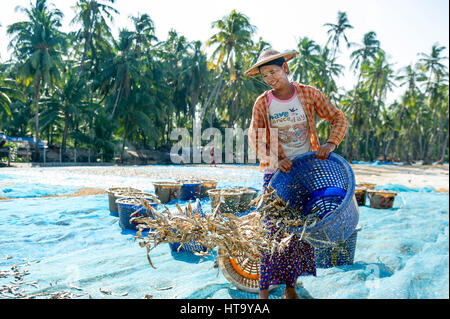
pixel 290 293
pixel 264 294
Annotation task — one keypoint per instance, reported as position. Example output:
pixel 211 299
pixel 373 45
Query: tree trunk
pixel 386 150
pixel 64 139
pixel 444 148
pixel 348 139
pixel 119 93
pixel 124 137
pixel 36 157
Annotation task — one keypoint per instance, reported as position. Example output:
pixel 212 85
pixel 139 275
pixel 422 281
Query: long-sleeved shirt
pixel 263 139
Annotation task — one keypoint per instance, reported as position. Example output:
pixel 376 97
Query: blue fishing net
pixel 402 252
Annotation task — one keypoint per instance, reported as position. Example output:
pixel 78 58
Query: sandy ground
pixel 409 176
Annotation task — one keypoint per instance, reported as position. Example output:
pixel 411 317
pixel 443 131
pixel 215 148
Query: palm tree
pixel 305 66
pixel 6 88
pixel 336 31
pixel 144 32
pixel 90 14
pixel 432 64
pixel 360 57
pixel 36 45
pixel 234 37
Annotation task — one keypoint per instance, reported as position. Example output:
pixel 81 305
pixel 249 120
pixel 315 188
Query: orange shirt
pixel 266 145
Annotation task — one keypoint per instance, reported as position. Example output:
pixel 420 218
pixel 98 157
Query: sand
pixel 417 176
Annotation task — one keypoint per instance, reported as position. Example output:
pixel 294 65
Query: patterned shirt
pixel 264 140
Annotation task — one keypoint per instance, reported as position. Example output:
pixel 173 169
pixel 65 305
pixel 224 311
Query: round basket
pixel 206 186
pixel 112 197
pixel 128 206
pixel 325 187
pixel 381 199
pixel 231 198
pixel 247 196
pixel 360 195
pixel 240 270
pixel 167 191
pixel 339 255
pixel 190 190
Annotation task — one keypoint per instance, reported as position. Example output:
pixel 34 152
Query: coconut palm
pixel 363 53
pixel 336 31
pixel 232 40
pixel 91 15
pixel 305 66
pixel 36 45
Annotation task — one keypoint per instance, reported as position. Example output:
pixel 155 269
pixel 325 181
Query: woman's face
pixel 275 76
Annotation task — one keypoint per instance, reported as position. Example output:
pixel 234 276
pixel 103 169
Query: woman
pixel 282 127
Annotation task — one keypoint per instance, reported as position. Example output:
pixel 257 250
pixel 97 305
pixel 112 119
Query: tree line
pixel 88 89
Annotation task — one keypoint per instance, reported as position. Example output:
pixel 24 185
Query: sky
pixel 404 27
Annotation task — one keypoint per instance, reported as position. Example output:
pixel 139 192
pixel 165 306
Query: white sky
pixel 404 27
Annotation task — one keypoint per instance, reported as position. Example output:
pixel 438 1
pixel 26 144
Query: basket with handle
pixel 325 187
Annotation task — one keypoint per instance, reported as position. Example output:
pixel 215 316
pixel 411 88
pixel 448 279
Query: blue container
pixel 324 187
pixel 190 191
pixel 344 254
pixel 126 209
pixel 191 245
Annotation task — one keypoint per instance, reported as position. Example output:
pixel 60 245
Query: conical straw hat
pixel 267 56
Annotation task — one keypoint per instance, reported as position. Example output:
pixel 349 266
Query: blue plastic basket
pixel 125 211
pixel 191 245
pixel 326 187
pixel 341 255
pixel 190 191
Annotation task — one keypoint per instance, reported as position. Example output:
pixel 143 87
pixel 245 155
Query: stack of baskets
pixel 132 205
pixel 115 193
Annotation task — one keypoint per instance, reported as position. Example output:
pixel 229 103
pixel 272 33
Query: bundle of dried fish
pixel 249 234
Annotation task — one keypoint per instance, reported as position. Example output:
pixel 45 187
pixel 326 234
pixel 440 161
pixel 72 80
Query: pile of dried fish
pixel 249 234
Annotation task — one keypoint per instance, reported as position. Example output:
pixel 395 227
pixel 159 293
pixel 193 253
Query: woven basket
pixel 206 186
pixel 128 206
pixel 167 191
pixel 381 199
pixel 325 186
pixel 339 255
pixel 247 196
pixel 240 271
pixel 230 196
pixel 190 190
pixel 360 195
pixel 112 191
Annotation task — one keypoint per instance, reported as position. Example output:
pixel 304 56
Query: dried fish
pixel 249 234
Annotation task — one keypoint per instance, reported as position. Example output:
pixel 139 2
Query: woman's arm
pixel 339 123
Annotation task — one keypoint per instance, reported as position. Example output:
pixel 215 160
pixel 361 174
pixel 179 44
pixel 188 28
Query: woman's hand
pixel 324 150
pixel 285 165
